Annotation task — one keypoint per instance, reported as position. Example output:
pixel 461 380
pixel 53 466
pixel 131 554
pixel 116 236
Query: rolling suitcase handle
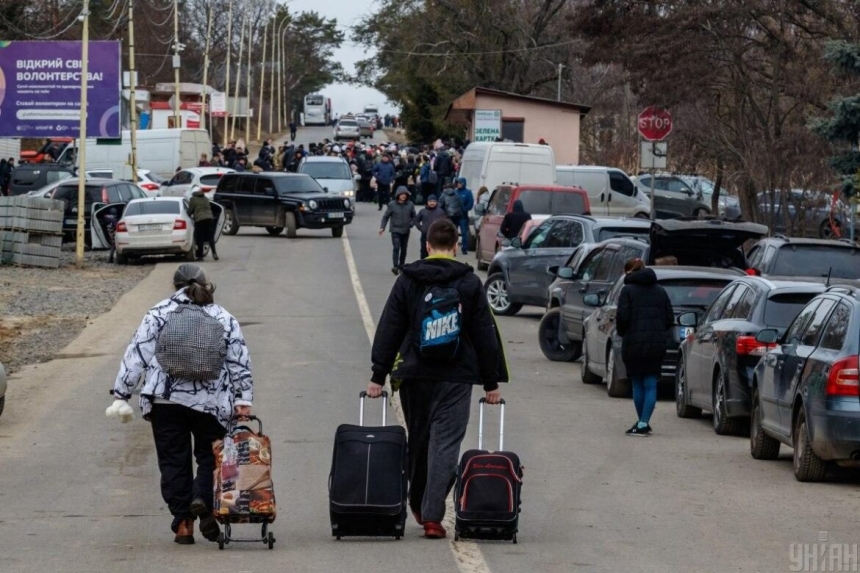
pixel 481 424
pixel 361 398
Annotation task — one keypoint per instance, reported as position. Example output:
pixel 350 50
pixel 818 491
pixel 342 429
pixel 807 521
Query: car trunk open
pixel 703 243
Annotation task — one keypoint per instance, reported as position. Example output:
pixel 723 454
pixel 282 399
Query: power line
pixel 455 53
pixel 50 35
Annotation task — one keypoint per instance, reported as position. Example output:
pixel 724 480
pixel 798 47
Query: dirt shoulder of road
pixel 42 310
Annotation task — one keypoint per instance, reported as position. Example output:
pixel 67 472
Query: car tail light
pixel 844 378
pixel 179 225
pixel 149 186
pixel 749 346
pixel 121 227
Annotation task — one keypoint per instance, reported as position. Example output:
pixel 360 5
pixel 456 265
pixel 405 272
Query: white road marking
pixel 467 554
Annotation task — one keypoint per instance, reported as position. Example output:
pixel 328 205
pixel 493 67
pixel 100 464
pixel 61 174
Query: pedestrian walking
pixel 467 201
pixel 6 176
pixel 384 174
pixel 513 222
pixel 401 216
pixel 643 318
pixel 293 129
pixel 182 405
pixel 426 217
pixel 434 368
pixel 204 223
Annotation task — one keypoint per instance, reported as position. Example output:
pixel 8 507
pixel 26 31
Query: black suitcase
pixel 487 493
pixel 367 484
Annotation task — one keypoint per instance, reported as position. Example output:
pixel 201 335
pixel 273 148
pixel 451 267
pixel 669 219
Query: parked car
pixel 803 213
pixel 333 173
pixel 689 288
pixel 807 388
pixel 673 198
pixel 719 351
pixel 2 388
pixel 365 127
pixel 98 192
pixel 728 205
pixel 279 201
pixel 156 226
pixel 805 258
pixel 537 200
pixel 701 243
pixel 610 190
pixel 520 275
pixel 186 181
pixel 28 177
pixel 149 182
pixel 347 128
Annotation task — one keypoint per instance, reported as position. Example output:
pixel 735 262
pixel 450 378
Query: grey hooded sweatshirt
pixel 401 215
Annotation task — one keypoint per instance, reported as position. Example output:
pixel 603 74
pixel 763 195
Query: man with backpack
pixel 452 204
pixel 436 338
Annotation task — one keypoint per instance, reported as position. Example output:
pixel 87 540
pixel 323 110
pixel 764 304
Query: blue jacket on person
pixel 384 172
pixel 465 195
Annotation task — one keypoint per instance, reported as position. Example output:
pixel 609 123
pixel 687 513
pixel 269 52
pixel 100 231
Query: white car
pixel 333 174
pixel 147 180
pixel 187 181
pixel 347 129
pixel 156 226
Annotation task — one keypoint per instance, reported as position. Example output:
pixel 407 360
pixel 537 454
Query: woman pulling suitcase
pixel 196 374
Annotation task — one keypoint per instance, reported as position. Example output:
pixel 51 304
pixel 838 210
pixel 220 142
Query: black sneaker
pixel 637 431
pixel 395 271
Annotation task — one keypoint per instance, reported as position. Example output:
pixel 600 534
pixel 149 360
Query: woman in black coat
pixel 643 318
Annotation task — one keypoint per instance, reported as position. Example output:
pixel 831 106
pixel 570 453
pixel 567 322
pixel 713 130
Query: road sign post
pixel 654 125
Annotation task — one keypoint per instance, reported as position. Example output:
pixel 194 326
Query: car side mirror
pixel 592 299
pixel 565 273
pixel 767 336
pixel 517 243
pixel 325 189
pixel 688 319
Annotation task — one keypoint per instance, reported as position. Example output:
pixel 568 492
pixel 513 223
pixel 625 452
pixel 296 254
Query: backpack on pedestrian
pixel 440 319
pixel 453 205
pixel 432 177
pixel 192 344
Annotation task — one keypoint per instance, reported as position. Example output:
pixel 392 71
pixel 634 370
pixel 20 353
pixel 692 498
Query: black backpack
pixel 453 205
pixel 440 322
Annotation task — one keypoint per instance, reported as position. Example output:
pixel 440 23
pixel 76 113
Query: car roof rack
pixel 845 289
pixel 781 236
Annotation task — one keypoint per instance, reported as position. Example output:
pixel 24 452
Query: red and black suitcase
pixel 487 492
pixel 367 484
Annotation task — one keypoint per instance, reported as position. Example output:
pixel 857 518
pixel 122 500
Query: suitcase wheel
pixel 221 541
pixel 515 539
pixel 271 540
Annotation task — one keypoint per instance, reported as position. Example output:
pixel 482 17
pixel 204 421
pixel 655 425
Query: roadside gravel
pixel 42 310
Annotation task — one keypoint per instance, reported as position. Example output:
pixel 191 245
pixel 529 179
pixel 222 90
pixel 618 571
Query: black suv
pixel 805 258
pixel 519 275
pixel 700 243
pixel 279 201
pixel 97 192
pixel 33 176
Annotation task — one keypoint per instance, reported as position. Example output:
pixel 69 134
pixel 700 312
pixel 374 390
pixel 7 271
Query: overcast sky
pixel 346 98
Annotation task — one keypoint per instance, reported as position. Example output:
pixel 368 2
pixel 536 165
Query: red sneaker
pixel 433 530
pixel 417 517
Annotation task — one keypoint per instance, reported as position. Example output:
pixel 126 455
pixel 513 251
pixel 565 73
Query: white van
pixel 489 164
pixel 610 190
pixel 158 150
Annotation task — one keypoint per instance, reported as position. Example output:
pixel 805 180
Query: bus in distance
pixel 317 110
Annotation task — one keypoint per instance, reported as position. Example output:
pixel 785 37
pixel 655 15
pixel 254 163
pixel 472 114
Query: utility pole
pixel 238 79
pixel 82 157
pixel 206 72
pixel 227 84
pixel 248 86
pixel 262 81
pixel 558 94
pixel 132 97
pixel 177 117
pixel 281 82
pixel 275 35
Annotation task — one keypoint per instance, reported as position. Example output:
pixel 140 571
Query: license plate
pixel 154 227
pixel 685 331
pixel 335 215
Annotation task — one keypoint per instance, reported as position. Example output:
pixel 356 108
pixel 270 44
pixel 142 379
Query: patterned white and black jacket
pixel 235 387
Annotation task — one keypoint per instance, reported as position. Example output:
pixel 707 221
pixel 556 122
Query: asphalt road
pixel 80 493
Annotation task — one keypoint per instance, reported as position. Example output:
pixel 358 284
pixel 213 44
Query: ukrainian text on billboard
pixel 40 89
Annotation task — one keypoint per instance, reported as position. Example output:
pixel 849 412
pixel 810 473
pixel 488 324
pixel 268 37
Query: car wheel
pixel 826 230
pixel 482 266
pixel 683 409
pixel 762 446
pixel 274 231
pixel 191 255
pixel 2 404
pixel 550 345
pixel 588 377
pixel 641 216
pixel 700 213
pixel 807 465
pixel 290 221
pixel 723 424
pixel 615 386
pixel 337 231
pixel 121 259
pixel 231 224
pixel 497 295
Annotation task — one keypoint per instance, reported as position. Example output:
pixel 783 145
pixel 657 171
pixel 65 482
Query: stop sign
pixel 655 123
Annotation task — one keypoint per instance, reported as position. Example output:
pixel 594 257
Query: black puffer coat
pixel 643 318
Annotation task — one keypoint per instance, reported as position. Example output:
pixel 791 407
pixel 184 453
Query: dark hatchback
pixel 789 257
pixel 519 275
pixel 279 201
pixel 97 192
pixel 720 352
pixel 807 387
pixel 689 289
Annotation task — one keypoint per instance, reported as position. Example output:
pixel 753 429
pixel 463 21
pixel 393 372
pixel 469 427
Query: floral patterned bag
pixel 244 492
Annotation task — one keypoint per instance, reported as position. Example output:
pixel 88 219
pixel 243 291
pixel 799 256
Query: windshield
pixel 611 232
pixel 300 184
pixel 815 261
pixel 314 100
pixel 152 208
pixel 326 170
pixel 780 309
pixel 693 292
